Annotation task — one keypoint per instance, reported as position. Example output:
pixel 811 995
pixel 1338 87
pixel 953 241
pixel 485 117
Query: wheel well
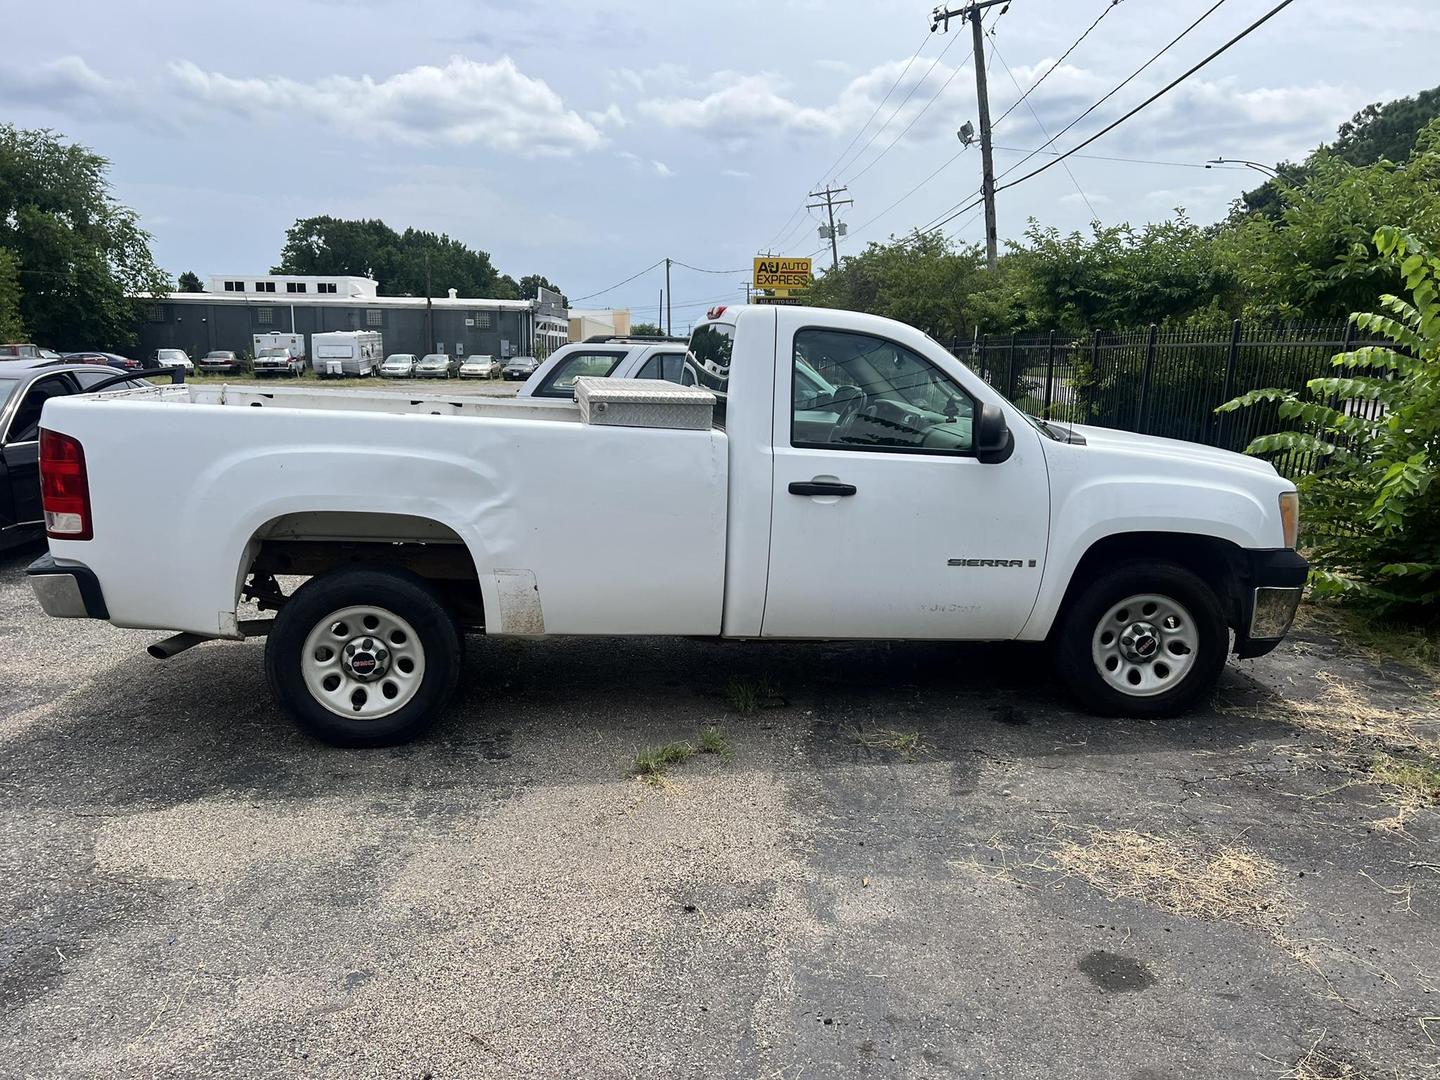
pixel 1219 563
pixel 306 545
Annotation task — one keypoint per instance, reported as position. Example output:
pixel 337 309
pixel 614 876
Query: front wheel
pixel 364 657
pixel 1144 639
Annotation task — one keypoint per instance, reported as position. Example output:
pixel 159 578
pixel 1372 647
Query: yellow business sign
pixel 781 275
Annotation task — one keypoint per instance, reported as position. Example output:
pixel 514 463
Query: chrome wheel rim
pixel 363 662
pixel 1145 645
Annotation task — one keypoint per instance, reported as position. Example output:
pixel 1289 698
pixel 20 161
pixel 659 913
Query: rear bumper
pixel 1273 587
pixel 66 590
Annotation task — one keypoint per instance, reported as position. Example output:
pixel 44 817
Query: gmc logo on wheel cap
pixel 363 664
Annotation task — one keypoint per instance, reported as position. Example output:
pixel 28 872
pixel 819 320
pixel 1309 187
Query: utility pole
pixel 829 204
pixel 942 16
pixel 429 322
pixel 669 322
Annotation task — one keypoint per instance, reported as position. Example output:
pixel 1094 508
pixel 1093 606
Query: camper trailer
pixel 347 352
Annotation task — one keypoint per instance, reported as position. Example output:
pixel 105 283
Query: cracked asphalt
pixel 189 888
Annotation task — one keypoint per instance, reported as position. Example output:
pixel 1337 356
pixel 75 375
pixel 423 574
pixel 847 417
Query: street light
pixel 1264 169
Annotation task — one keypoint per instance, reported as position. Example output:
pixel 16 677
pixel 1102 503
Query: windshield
pixel 399 358
pixel 272 352
pixel 435 358
pixel 170 354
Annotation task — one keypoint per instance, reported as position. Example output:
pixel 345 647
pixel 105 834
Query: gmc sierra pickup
pixel 854 481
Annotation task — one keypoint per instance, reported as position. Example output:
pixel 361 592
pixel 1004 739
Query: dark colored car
pixel 110 359
pixel 25 386
pixel 222 361
pixel 520 367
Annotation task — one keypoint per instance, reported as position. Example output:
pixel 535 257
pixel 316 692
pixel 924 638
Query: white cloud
pixel 662 169
pixel 611 117
pixel 1076 199
pixel 735 174
pixel 67 85
pixel 464 102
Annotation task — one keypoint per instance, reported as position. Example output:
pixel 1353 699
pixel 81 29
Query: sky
pixel 588 141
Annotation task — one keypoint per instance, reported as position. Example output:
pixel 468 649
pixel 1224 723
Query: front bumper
pixel 1272 588
pixel 66 590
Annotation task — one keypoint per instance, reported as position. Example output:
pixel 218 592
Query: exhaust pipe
pixel 174 646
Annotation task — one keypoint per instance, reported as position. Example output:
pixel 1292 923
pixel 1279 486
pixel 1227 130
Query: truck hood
pixel 1175 449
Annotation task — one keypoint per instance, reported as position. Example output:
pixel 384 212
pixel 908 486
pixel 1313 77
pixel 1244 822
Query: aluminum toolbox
pixel 643 403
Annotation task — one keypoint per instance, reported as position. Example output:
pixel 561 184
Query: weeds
pixel 908 744
pixel 1408 785
pixel 1377 639
pixel 652 763
pixel 713 741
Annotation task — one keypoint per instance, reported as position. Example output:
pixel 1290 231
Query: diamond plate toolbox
pixel 643 403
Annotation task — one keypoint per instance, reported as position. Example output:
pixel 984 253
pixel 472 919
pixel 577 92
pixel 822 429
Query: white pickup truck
pixel 857 481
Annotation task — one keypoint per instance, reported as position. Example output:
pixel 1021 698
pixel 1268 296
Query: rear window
pixel 707 363
pixel 560 383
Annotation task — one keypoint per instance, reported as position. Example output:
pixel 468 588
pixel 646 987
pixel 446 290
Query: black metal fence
pixel 1160 382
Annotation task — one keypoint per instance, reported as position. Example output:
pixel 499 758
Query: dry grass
pixel 1315 1064
pixel 1376 640
pixel 1344 712
pixel 1229 882
pixel 908 744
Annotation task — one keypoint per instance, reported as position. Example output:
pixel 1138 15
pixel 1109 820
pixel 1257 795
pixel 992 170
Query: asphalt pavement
pixel 917 861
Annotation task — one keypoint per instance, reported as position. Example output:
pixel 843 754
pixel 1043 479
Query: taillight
pixel 64 488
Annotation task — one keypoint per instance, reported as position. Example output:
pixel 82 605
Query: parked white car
pixel 398 366
pixel 170 358
pixel 616 358
pixel 480 367
pixel 894 495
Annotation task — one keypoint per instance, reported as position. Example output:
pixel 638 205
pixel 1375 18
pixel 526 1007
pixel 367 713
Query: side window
pixel 561 381
pixel 857 391
pixel 707 363
pixel 26 425
pixel 665 366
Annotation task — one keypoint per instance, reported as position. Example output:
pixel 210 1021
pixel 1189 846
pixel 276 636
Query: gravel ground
pixel 920 862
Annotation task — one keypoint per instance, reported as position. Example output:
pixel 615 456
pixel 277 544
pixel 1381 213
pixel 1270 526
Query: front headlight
pixel 1290 516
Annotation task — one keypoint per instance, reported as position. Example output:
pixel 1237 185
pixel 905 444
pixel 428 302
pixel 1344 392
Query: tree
pixel 401 262
pixel 12 327
pixel 1378 132
pixel 84 262
pixel 530 284
pixel 645 329
pixel 189 281
pixel 1373 507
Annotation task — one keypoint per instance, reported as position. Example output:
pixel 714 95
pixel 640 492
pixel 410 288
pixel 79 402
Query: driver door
pixel 22 447
pixel 884 523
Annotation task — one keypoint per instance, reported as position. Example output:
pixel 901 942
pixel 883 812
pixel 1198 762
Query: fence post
pixel 1049 374
pixel 985 357
pixel 1223 438
pixel 1010 371
pixel 1145 379
pixel 1094 376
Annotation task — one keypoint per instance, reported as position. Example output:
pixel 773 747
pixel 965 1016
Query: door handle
pixel 820 487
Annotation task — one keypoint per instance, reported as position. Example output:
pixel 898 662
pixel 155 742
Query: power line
pixel 1109 7
pixel 1125 160
pixel 1152 98
pixel 1130 78
pixel 701 270
pixel 900 108
pixel 951 161
pixel 786 228
pixel 995 49
pixel 916 117
pixel 612 288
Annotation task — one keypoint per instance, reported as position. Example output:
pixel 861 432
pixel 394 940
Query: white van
pixel 348 352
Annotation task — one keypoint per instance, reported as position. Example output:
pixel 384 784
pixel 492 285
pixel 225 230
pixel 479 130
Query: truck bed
pixel 571 527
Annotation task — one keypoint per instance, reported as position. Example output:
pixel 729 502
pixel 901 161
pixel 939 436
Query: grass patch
pixel 713 741
pixel 747 695
pixel 1407 785
pixel 652 763
pixel 1229 882
pixel 1315 1064
pixel 908 744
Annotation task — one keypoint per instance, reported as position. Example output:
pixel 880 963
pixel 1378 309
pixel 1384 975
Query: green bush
pixel 1372 510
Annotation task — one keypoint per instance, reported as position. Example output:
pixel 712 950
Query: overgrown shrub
pixel 1372 511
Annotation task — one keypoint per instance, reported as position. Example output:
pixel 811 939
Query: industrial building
pixel 235 307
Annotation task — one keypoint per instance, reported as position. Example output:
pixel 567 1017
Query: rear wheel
pixel 364 657
pixel 1145 639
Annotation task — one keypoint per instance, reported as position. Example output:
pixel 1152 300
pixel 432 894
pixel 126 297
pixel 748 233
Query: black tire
pixel 439 644
pixel 1079 631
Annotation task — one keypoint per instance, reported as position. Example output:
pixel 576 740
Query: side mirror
pixel 993 441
